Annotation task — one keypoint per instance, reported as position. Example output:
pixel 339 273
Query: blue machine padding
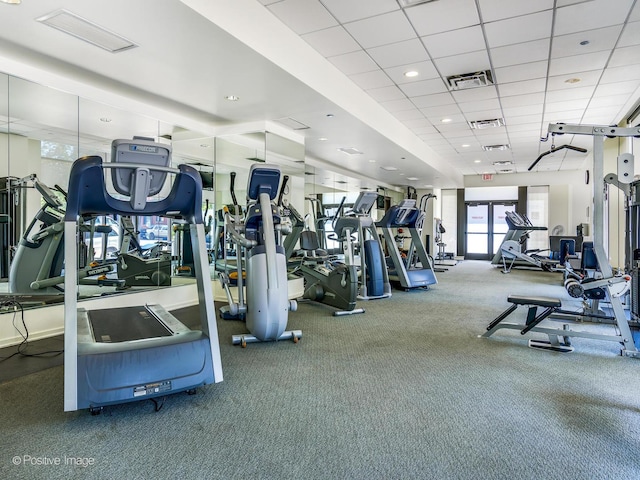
pixel 589 259
pixel 390 219
pixel 258 249
pixel 263 179
pixel 88 196
pixel 118 377
pixel 421 277
pixel 375 263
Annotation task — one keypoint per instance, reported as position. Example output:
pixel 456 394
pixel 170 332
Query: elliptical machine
pixel 259 241
pixel 357 233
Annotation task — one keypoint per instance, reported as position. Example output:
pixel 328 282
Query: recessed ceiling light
pixel 465 145
pixel 372 161
pixel 12 2
pixel 572 80
pixel 412 178
pixel 204 145
pixel 389 169
pixel 477 161
pixel 232 98
pixel 411 74
pixel 584 42
pixel 329 115
pixel 446 120
pixel 323 139
pixel 105 119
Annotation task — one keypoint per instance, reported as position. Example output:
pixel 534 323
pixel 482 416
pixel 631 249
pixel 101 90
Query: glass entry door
pixel 485 228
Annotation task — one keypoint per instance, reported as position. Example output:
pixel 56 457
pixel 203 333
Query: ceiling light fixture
pixel 412 3
pixel 477 161
pixel 465 145
pixel 413 178
pixel 232 98
pixel 446 120
pixel 389 169
pixel 12 2
pixel 105 119
pixel 87 31
pixel 572 80
pixel 411 74
pixel 323 139
pixel 330 115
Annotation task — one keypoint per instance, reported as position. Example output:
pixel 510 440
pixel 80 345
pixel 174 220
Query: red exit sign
pixel 487 176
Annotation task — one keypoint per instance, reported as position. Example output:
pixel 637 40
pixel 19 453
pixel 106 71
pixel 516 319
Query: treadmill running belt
pixel 125 324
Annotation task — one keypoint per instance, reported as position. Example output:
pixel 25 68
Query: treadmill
pixel 415 270
pixel 120 355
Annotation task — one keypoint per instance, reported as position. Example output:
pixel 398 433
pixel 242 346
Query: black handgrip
pixel 285 179
pixel 570 147
pixel 232 188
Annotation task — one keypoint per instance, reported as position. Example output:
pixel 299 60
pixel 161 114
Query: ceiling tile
pixel 610 100
pixel 465 63
pixel 303 16
pixel 436 17
pixel 354 62
pixel 424 87
pixel 600 39
pixel 369 80
pixel 385 94
pixel 519 29
pixel 331 41
pixel 586 79
pixel 518 53
pixel 523 127
pixel 443 111
pixel 435 100
pixel 521 100
pixel 454 42
pixel 617 88
pixel 492 10
pixel 398 109
pixel 523 119
pixel 631 34
pixel 401 53
pixel 612 75
pixel 578 63
pixel 359 9
pixel 417 123
pixel 568 105
pixel 475 94
pixel 381 30
pixel 591 15
pixel 524 87
pixel 516 73
pixel 426 70
pixel 625 56
pixel 570 93
pixel 519 111
pixel 469 107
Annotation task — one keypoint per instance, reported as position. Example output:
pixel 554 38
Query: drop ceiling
pixel 333 72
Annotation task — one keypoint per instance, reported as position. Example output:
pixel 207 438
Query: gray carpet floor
pixel 405 391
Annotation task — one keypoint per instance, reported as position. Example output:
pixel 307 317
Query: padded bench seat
pixel 537 301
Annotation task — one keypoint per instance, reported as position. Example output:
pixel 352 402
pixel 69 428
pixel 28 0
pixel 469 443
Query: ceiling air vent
pixel 292 123
pixel 506 170
pixel 411 3
pixel 481 124
pixel 86 30
pixel 490 148
pixel 470 80
pixel 502 163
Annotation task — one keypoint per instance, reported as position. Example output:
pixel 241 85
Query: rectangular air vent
pixel 292 123
pixel 470 80
pixel 350 151
pixel 87 31
pixel 502 163
pixel 481 124
pixel 489 148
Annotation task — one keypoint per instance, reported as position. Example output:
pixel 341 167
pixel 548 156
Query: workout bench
pixel 549 306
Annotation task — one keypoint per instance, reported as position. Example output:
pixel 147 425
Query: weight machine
pixel 613 286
